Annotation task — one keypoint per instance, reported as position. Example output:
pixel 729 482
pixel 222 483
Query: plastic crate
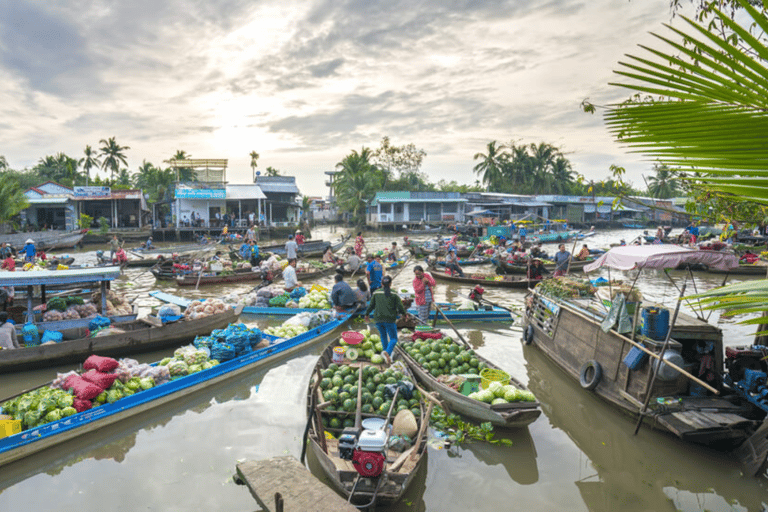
pixel 9 427
pixel 635 358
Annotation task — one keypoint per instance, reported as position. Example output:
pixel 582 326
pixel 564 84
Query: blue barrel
pixel 655 323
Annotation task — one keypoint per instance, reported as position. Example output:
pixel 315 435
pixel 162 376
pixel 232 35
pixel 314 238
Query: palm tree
pixel 113 155
pixel 562 176
pixel 664 184
pixel 13 201
pixel 157 182
pixel 254 163
pixel 184 173
pixel 490 166
pixel 357 183
pixel 89 162
pixel 124 178
pixel 59 168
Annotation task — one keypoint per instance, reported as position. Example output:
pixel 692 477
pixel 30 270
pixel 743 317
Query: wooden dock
pixel 298 489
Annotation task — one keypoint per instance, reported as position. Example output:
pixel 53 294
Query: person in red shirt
pixel 299 238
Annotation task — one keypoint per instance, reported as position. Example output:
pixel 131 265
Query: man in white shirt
pixel 291 248
pixel 289 276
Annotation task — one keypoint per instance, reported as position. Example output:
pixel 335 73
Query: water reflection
pixel 519 460
pixel 650 471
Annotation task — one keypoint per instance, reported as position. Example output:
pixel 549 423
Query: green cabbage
pixel 54 415
pixel 113 395
pixel 147 383
pixel 497 401
pixel 68 411
pixel 65 400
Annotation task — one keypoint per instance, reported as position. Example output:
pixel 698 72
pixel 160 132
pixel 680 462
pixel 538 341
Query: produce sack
pixel 169 310
pixel 51 336
pixel 81 405
pixel 222 352
pixel 100 379
pixel 102 364
pixel 30 334
pixel 99 322
pixel 298 293
pixel 82 388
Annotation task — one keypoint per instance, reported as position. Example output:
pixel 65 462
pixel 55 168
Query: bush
pixel 85 221
pixel 103 225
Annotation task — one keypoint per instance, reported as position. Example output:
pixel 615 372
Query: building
pixel 51 206
pixel 281 203
pixel 414 208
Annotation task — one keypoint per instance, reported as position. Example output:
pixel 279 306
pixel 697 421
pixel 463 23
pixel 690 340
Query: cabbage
pixel 68 411
pixel 512 395
pixel 101 398
pixel 113 395
pixel 496 388
pixel 377 359
pixel 375 338
pixel 497 401
pixel 54 415
pixel 147 383
pixel 486 395
pixel 195 368
pixel 165 361
pixel 526 396
pixel 133 384
pixel 65 400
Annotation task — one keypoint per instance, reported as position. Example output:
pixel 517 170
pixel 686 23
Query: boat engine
pixel 348 442
pixel 739 359
pixel 370 453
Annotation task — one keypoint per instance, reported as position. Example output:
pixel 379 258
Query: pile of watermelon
pixel 444 357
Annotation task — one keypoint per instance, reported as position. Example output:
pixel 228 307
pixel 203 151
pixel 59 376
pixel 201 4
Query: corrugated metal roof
pixel 48 200
pixel 239 192
pixel 279 188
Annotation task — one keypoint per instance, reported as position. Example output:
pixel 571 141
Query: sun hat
pixel 29 241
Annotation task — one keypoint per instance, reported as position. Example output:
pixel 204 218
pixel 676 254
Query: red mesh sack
pixel 82 388
pixel 103 380
pixel 81 405
pixel 426 336
pixel 102 364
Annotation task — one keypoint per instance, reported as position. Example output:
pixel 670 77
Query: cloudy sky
pixel 305 82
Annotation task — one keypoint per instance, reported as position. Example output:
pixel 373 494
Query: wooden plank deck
pixel 298 488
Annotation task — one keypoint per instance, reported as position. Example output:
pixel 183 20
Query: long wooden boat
pixel 554 237
pixel 398 470
pixel 492 280
pixel 308 249
pixel 30 442
pixel 754 269
pixel 46 240
pixel 139 336
pixel 484 314
pixel 244 275
pixel 569 332
pixel 467 262
pixel 388 266
pixel 510 268
pixel 509 415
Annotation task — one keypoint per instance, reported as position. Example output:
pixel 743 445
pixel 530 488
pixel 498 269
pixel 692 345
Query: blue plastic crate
pixel 635 358
pixel 753 379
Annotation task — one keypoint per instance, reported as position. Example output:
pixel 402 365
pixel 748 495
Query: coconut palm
pixel 712 117
pixel 664 184
pixel 157 182
pixel 254 163
pixel 113 155
pixel 491 165
pixel 357 183
pixel 562 176
pixel 13 201
pixel 184 173
pixel 90 161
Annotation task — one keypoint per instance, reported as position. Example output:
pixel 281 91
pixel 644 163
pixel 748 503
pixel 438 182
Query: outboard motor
pixel 370 454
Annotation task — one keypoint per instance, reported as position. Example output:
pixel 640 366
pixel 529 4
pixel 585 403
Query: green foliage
pixel 113 154
pixel 85 221
pixel 13 201
pixel 155 181
pixel 59 168
pixel 89 162
pixel 664 184
pixel 103 225
pixel 453 186
pixel 459 430
pixel 271 171
pixel 357 182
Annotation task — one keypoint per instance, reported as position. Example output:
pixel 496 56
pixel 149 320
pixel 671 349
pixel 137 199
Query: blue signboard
pixel 201 193
pixel 92 192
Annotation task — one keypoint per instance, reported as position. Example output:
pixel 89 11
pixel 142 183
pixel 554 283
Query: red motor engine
pixel 368 464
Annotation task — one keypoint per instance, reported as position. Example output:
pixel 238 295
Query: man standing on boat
pixel 29 251
pixel 254 255
pixel 387 308
pixel 289 276
pixel 250 235
pixel 113 246
pixel 374 271
pixel 562 258
pixel 522 232
pixel 291 248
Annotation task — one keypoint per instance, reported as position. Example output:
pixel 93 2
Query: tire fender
pixel 590 374
pixel 528 334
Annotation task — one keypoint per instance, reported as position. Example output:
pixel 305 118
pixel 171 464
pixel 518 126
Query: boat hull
pixel 46 240
pixel 508 282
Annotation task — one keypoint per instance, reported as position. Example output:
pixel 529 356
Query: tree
pixel 664 184
pixel 59 168
pixel 271 171
pixel 491 165
pixel 113 155
pixel 124 179
pixel 13 201
pixel 562 177
pixel 453 186
pixel 184 173
pixel 157 182
pixel 90 161
pixel 254 163
pixel 400 162
pixel 357 183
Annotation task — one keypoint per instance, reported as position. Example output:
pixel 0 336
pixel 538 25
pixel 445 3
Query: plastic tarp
pixel 630 257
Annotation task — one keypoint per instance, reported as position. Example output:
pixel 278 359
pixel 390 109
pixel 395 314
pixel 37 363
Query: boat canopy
pixel 59 277
pixel 630 257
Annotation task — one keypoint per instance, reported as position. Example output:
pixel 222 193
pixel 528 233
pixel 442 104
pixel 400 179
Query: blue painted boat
pixel 485 314
pixel 32 441
pixel 467 263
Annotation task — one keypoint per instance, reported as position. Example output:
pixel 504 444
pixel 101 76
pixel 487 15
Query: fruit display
pixel 315 300
pixel 443 356
pixel 370 348
pixel 339 386
pixel 498 393
pixel 199 309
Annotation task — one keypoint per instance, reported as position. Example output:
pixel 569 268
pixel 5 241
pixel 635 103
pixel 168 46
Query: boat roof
pixel 52 277
pixel 630 257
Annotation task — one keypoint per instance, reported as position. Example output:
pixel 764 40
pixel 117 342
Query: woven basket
pixel 488 375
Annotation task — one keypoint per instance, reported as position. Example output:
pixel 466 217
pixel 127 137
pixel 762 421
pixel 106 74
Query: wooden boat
pixel 30 442
pixel 492 280
pixel 611 365
pixel 309 249
pixel 47 240
pixel 243 275
pixel 51 263
pixel 426 230
pixel 484 314
pixel 142 335
pixel 164 270
pixel 466 262
pixel 553 237
pixel 754 269
pixel 510 415
pixel 398 469
pixel 505 267
pixel 631 225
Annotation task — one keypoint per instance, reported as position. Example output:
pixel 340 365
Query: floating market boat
pixel 568 328
pixel 30 442
pixel 744 269
pixel 244 275
pixel 454 390
pixel 309 249
pixel 511 268
pixel 467 262
pixel 482 314
pixel 388 266
pixel 492 280
pixel 357 458
pixel 46 240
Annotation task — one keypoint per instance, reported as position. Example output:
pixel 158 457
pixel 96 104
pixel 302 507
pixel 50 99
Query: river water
pixel 579 455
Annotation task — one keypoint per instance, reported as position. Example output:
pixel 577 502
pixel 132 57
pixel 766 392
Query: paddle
pixel 437 308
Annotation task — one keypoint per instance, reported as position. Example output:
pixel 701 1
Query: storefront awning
pixel 244 192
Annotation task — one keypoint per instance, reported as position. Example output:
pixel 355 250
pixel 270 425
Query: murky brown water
pixel 579 455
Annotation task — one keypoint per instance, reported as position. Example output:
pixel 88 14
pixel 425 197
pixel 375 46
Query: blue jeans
pixel 388 333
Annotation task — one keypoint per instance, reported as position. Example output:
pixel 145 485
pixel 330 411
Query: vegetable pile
pixel 498 393
pixel 116 305
pixel 316 300
pixel 198 309
pixel 566 287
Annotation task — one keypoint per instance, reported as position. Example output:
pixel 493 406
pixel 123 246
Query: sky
pixel 303 83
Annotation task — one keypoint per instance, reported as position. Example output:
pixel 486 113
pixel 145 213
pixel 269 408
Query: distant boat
pixel 45 240
pixel 630 225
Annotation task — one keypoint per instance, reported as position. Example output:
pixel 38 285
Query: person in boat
pixel 217 256
pixel 8 336
pixel 120 256
pixel 562 259
pixel 477 294
pixel 452 263
pixel 342 296
pixel 289 276
pixel 291 248
pixel 362 293
pixel 5 251
pixel 583 253
pixel 374 272
pixel 300 238
pixel 149 243
pixel 406 241
pixel 537 252
pixel 359 244
pixel 245 250
pixel 536 271
pixel 41 255
pixel 328 256
pixel 254 256
pixel 8 263
pixel 113 245
pixel 394 253
pixel 387 307
pixel 250 234
pixel 423 288
pixel 352 264
pixel 660 233
pixel 522 233
pixel 622 242
pixel 29 251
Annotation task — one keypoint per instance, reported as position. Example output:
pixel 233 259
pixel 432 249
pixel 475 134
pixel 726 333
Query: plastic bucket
pixel 655 323
pixel 338 354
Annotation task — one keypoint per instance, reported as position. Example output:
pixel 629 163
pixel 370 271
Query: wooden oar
pixel 437 308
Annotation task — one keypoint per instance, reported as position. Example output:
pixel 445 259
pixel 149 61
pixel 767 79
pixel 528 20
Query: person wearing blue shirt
pixel 149 243
pixel 374 271
pixel 255 258
pixel 522 232
pixel 245 251
pixel 29 250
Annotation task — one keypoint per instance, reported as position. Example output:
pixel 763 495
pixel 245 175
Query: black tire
pixel 590 374
pixel 528 334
